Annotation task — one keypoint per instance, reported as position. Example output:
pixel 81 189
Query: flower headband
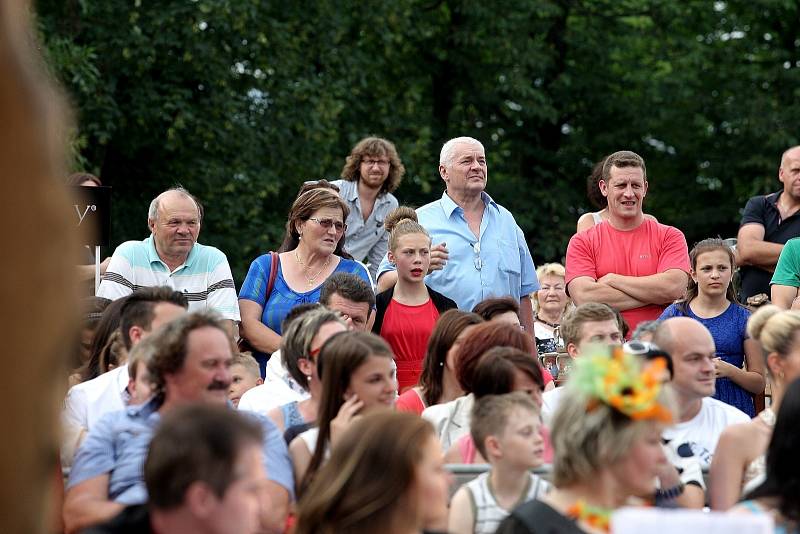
pixel 619 381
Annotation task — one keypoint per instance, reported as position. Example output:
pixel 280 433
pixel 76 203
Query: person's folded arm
pixel 87 504
pixel 751 249
pixel 660 288
pixel 585 289
pixel 259 335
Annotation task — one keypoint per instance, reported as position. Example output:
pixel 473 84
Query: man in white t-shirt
pixel 701 419
pixel 592 322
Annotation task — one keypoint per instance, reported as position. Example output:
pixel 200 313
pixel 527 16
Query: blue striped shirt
pixel 205 277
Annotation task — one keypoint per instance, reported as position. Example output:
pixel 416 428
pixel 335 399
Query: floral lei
pixel 594 516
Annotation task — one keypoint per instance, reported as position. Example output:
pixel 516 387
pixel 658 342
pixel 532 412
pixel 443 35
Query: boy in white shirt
pixel 506 431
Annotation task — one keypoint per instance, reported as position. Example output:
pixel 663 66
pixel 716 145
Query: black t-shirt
pixel 536 517
pixel 763 210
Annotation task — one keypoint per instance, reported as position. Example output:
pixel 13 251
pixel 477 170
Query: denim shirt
pixel 495 265
pixel 366 240
pixel 118 444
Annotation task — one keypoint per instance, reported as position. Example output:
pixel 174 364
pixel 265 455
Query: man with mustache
pixel 191 365
pixel 371 173
pixel 632 263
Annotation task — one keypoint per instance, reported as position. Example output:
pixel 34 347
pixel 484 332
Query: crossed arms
pixel 629 292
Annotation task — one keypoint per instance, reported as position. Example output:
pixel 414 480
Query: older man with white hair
pixel 479 250
pixel 171 256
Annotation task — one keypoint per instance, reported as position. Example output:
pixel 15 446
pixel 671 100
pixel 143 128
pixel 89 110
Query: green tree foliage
pixel 242 100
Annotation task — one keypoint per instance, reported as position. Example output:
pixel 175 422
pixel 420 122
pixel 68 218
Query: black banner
pixel 92 211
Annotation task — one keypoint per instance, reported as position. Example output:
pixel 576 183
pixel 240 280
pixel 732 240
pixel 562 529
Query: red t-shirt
pixel 407 329
pixel 650 248
pixel 409 401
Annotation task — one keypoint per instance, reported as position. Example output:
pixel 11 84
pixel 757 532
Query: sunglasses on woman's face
pixel 328 223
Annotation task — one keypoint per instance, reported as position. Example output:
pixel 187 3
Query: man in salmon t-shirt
pixel 630 262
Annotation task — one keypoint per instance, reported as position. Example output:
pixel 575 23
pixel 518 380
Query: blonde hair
pixel 548 269
pixel 587 441
pixel 774 329
pixel 402 221
pixel 246 360
pixel 492 413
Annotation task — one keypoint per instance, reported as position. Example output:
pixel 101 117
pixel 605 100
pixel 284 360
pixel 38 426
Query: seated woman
pixel 778 495
pixel 302 343
pixel 739 463
pixel 501 370
pixel 597 199
pixel 358 377
pixel 550 303
pixel 92 308
pixel 711 300
pixel 384 475
pixel 607 443
pixel 451 420
pixel 438 383
pixel 312 250
pixel 407 312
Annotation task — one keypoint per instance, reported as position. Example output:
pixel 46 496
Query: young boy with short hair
pixel 245 374
pixel 506 431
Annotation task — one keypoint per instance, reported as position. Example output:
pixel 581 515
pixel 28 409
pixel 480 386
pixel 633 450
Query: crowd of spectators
pixel 378 346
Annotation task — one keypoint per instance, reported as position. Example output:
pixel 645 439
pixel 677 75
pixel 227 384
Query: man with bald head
pixel 768 222
pixel 171 256
pixel 700 419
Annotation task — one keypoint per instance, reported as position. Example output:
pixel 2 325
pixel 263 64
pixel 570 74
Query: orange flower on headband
pixel 618 380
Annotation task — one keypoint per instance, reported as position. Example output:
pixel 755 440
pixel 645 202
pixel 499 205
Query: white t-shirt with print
pixel 701 433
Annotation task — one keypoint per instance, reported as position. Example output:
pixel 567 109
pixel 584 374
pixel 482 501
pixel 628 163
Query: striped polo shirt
pixel 205 277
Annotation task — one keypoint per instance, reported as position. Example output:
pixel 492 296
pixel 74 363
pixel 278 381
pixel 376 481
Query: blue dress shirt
pixel 118 443
pixel 495 265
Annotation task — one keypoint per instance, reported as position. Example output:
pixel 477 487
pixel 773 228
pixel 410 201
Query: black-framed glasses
pixel 379 162
pixel 328 223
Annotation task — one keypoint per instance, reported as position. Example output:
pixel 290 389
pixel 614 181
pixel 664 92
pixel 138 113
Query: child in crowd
pixel 406 313
pixel 245 375
pixel 711 300
pixel 506 431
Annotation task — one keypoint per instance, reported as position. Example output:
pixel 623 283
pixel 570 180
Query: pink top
pixel 410 401
pixel 466 446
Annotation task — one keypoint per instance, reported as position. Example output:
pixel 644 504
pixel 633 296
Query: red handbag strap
pixel 273 273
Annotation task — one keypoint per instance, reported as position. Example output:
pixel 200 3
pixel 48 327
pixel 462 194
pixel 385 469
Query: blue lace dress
pixel 729 330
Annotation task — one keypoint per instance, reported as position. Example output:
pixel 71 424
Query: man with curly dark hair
pixel 371 173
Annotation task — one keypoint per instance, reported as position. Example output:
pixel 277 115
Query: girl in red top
pixel 407 312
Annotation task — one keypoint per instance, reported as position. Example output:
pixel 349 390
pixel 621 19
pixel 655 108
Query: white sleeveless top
pixel 486 512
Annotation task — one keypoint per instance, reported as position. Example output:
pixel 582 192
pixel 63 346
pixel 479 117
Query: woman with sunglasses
pixel 312 250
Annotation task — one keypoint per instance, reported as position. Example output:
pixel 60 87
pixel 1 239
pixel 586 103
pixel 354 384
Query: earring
pixel 441 364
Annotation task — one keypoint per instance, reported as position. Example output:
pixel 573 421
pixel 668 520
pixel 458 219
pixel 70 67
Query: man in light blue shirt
pixel 191 364
pixel 479 250
pixel 371 173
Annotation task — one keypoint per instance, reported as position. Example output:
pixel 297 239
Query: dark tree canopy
pixel 242 100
